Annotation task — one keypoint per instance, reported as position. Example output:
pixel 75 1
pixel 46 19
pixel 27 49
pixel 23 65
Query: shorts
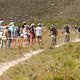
pixel 21 35
pixel 4 39
pixel 32 35
pixel 28 36
pixel 39 37
pixel 53 36
pixel 25 37
pixel 14 36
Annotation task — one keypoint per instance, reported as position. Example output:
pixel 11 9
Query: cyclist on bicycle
pixel 53 34
pixel 66 32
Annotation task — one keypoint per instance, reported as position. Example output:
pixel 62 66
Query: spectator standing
pixel 13 29
pixel 39 33
pixel 32 33
pixel 5 37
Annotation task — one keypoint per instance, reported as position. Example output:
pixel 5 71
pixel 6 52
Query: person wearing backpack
pixel 13 30
pixel 66 32
pixel 53 34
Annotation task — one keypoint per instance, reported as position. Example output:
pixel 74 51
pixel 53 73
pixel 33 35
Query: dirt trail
pixel 76 40
pixel 5 66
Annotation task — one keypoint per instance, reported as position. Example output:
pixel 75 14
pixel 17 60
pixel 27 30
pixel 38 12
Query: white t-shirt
pixel 38 31
pixel 24 33
pixel 13 30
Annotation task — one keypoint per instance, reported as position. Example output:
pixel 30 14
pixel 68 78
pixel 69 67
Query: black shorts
pixel 39 37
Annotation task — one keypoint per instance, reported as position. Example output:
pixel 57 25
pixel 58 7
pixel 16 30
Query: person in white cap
pixel 39 33
pixel 13 29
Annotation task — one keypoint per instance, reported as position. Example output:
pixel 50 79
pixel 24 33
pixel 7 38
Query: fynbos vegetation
pixel 39 10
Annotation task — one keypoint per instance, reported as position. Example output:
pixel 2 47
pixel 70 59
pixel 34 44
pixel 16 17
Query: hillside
pixel 20 10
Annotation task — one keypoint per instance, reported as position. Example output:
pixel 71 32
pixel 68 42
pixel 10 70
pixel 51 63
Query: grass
pixel 14 53
pixel 60 64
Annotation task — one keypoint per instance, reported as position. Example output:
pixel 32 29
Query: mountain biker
pixel 53 34
pixel 66 32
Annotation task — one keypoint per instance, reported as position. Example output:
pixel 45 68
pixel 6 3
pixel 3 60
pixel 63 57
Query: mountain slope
pixel 38 9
